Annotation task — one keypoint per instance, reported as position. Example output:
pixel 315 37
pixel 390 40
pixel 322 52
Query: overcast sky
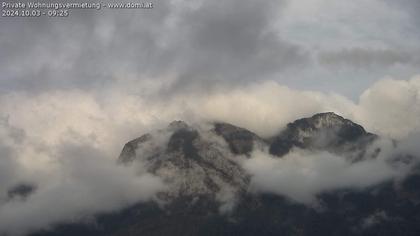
pixel 73 90
pixel 326 45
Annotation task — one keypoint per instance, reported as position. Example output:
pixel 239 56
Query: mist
pixel 302 175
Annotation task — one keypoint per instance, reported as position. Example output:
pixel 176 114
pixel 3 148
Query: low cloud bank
pixel 301 174
pixel 83 184
pixel 69 179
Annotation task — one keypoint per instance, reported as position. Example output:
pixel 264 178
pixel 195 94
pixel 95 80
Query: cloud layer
pixel 72 180
pixel 66 142
pixel 301 175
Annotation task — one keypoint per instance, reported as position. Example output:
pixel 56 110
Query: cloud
pixel 83 184
pixel 267 103
pixel 411 7
pixel 67 153
pixel 199 43
pixel 203 45
pixel 391 107
pixel 301 175
pixel 366 58
pixel 9 169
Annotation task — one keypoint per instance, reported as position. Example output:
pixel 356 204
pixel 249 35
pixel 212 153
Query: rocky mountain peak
pixel 327 120
pixel 323 131
pixel 241 141
pixel 128 152
pixel 190 162
pixel 178 124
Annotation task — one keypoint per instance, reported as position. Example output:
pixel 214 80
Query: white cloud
pixel 391 107
pixel 66 144
pixel 301 175
pixel 83 184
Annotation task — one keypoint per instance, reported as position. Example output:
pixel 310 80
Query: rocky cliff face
pixel 208 193
pixel 193 163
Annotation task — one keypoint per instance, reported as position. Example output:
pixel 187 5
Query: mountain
pixel 324 131
pixel 208 189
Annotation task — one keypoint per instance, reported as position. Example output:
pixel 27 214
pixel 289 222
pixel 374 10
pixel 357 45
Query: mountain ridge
pixel 209 190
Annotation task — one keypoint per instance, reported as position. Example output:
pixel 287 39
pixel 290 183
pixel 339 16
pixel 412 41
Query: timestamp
pixel 58 13
pixel 34 13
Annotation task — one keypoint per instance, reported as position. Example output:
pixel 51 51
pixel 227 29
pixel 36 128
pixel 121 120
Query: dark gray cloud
pixel 11 137
pixel 207 44
pixel 410 6
pixel 229 41
pixel 368 58
pixel 82 51
pixel 8 169
pixel 233 41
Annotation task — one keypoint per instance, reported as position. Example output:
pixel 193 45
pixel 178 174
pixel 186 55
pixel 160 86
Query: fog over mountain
pixel 247 80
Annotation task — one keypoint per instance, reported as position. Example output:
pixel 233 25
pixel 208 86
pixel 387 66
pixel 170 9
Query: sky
pixel 73 90
pixel 323 45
